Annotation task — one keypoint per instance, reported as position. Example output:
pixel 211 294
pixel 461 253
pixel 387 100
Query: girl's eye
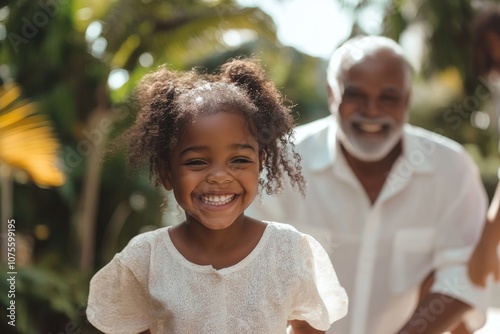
pixel 241 160
pixel 195 163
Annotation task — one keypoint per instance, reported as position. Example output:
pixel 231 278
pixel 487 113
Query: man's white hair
pixel 354 50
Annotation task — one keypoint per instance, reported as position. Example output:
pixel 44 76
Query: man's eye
pixel 390 98
pixel 353 95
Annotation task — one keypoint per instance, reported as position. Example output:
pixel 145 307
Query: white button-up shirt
pixel 428 217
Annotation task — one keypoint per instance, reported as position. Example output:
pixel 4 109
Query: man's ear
pixel 333 100
pixel 164 174
pixel 408 99
pixel 329 93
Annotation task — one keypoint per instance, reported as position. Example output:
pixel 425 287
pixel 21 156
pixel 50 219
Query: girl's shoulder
pixel 288 236
pixel 142 245
pixel 294 249
pixel 299 244
pixel 148 238
pixel 283 228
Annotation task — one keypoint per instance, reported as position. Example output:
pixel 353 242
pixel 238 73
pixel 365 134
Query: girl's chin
pixel 218 226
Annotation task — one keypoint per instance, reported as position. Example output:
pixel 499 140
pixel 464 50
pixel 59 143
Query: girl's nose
pixel 219 175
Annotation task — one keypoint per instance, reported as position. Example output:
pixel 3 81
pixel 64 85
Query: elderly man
pixel 392 203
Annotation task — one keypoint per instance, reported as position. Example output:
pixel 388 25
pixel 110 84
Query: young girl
pixel 207 138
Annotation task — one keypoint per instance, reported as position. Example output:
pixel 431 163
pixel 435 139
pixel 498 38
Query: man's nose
pixel 371 108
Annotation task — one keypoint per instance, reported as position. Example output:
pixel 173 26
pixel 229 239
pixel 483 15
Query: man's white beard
pixel 368 149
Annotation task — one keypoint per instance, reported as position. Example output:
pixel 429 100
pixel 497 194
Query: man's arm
pixel 458 230
pixel 484 261
pixel 435 314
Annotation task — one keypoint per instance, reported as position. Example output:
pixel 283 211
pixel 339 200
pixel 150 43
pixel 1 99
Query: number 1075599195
pixel 11 244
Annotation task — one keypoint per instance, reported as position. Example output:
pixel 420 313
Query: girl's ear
pixel 164 174
pixel 166 181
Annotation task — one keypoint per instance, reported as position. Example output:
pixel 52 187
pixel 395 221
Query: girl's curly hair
pixel 167 100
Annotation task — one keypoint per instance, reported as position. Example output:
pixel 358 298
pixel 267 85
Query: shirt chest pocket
pixel 412 257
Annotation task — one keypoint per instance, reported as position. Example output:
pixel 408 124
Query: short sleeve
pixel 320 300
pixel 117 303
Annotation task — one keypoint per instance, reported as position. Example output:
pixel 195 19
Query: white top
pixel 151 285
pixel 428 216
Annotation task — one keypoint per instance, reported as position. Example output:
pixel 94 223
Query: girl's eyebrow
pixel 243 147
pixel 198 148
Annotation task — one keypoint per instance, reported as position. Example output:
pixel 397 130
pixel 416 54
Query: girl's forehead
pixel 216 132
pixel 221 120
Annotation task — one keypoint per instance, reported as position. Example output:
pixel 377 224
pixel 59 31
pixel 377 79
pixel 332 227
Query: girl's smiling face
pixel 214 170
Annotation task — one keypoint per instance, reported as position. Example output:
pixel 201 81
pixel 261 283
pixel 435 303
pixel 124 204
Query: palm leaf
pixel 202 37
pixel 176 32
pixel 26 139
pixel 16 113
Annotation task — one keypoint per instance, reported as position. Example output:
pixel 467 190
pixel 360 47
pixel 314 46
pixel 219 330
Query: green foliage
pixel 45 300
pixel 47 52
pixel 447 37
pixel 58 66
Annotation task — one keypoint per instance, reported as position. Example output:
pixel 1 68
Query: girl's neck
pixel 219 248
pixel 213 240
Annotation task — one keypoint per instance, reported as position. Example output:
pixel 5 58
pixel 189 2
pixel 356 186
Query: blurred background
pixel 67 71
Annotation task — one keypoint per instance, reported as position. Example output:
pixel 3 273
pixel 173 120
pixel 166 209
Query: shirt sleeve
pixel 458 233
pixel 320 300
pixel 117 302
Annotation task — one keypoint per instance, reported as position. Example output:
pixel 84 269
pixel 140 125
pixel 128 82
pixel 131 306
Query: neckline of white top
pixel 209 268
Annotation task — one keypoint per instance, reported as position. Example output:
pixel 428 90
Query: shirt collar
pixel 416 149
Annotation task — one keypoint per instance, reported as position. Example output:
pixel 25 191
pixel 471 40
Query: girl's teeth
pixel 217 200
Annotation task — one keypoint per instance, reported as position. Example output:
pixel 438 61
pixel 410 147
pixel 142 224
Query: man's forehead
pixel 380 66
pixel 375 83
pixel 375 56
pixel 388 87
